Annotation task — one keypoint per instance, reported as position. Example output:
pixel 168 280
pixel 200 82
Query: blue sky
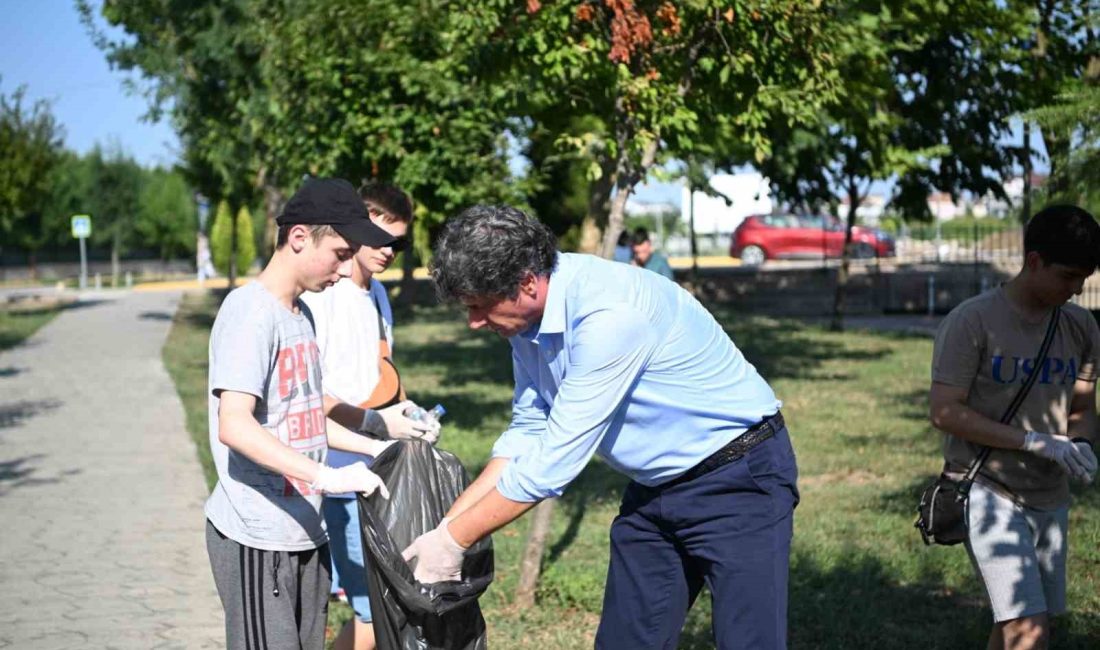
pixel 47 49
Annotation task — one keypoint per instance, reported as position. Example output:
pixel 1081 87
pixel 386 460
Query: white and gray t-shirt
pixel 259 347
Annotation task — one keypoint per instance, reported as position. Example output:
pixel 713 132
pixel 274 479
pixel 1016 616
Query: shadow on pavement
pixel 19 472
pixel 155 315
pixel 15 413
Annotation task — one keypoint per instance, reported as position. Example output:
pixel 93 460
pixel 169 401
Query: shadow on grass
pixel 857 603
pixel 912 405
pixel 466 411
pixel 597 482
pixel 904 500
pixel 470 357
pixel 781 349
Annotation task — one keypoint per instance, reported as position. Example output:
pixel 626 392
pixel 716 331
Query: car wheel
pixel 753 256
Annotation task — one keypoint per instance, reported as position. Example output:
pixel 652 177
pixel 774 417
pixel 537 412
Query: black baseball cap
pixel 334 202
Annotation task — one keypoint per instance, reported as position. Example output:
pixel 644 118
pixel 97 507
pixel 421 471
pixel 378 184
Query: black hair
pixel 1064 234
pixel 641 236
pixel 487 251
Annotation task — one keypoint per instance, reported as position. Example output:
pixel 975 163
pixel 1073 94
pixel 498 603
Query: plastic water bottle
pixel 419 413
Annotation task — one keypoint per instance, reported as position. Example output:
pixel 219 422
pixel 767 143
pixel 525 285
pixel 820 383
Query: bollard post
pixel 98 282
pixel 129 279
pixel 931 294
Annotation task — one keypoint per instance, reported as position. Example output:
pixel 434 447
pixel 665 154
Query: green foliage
pixel 246 241
pixel 168 220
pixel 345 88
pixel 623 86
pixel 30 148
pixel 70 191
pixel 431 99
pixel 114 198
pixel 221 238
pixel 928 89
pixel 1075 176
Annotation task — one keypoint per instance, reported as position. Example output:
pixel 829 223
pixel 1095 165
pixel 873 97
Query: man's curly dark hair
pixel 487 251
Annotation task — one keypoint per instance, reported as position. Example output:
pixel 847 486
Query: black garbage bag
pixel 423 483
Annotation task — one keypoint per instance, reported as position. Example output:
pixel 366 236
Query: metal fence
pixel 992 249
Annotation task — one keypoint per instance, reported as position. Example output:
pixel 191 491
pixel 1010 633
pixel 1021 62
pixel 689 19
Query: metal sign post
pixel 82 229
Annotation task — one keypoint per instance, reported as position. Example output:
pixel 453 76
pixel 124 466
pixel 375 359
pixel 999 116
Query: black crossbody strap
pixel 976 466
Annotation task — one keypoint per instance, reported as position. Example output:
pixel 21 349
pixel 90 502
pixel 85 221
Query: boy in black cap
pixel 265 534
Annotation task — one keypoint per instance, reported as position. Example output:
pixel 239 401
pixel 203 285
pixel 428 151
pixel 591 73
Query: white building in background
pixel 869 212
pixel 749 193
pixel 943 207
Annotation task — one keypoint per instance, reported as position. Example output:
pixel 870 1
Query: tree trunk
pixel 116 244
pixel 232 252
pixel 626 178
pixel 854 199
pixel 274 200
pixel 531 564
pixel 615 219
pixel 1025 213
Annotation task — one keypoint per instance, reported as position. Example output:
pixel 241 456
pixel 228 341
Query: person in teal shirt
pixel 646 257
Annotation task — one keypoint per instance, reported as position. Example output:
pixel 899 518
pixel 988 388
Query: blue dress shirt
pixel 627 365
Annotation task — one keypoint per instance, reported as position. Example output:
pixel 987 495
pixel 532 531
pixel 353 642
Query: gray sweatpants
pixel 272 599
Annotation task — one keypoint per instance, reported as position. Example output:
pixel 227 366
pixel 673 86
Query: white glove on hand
pixel 1061 450
pixel 435 556
pixel 1090 459
pixel 350 478
pixel 391 422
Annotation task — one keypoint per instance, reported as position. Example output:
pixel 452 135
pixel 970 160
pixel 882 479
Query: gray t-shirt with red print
pixel 260 347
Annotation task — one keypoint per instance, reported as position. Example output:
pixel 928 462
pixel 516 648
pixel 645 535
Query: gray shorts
pixel 1019 553
pixel 274 600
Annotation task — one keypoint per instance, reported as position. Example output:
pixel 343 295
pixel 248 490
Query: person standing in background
pixel 646 257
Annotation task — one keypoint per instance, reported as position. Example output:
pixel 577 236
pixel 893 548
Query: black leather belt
pixel 734 449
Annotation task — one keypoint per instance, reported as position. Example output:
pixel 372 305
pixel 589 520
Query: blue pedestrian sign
pixel 82 226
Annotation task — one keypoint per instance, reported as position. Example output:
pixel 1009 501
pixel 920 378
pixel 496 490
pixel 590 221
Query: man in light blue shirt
pixel 610 359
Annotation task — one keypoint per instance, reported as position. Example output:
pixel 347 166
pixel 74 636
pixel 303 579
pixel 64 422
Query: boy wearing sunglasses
pixel 354 325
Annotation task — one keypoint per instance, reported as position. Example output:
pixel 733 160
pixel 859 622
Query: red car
pixel 788 236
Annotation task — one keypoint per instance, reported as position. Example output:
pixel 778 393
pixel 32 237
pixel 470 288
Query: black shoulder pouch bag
pixel 941 513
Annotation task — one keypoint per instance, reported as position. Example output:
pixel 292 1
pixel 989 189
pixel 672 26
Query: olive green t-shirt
pixel 989 347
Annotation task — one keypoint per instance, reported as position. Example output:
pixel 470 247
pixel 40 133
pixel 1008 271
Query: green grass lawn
pixel 855 404
pixel 17 325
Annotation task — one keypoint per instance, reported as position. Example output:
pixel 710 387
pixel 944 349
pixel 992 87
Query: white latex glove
pixel 1061 450
pixel 350 478
pixel 391 422
pixel 435 556
pixel 1090 459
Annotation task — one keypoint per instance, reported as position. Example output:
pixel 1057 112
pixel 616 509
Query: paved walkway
pixel 101 524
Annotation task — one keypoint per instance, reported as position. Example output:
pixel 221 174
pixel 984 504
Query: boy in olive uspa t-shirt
pixel 985 350
pixel 268 435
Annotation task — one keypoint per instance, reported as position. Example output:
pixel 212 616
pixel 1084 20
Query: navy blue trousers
pixel 729 529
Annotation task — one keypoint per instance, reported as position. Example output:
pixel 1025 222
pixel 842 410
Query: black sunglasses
pixel 397 245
